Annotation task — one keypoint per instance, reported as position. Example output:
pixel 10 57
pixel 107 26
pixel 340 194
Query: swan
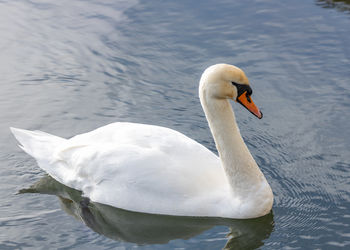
pixel 157 170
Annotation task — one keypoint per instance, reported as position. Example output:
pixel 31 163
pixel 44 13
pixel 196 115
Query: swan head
pixel 224 81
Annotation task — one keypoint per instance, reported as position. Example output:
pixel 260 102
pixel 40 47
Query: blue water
pixel 67 67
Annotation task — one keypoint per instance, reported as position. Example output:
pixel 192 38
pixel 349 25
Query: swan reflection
pixel 140 228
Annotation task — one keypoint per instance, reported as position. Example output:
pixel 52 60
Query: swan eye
pixel 241 88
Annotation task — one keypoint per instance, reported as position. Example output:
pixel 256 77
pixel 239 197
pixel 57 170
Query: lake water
pixel 67 67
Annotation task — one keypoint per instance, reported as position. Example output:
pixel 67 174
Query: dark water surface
pixel 67 67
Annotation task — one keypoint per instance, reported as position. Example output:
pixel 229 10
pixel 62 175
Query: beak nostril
pixel 248 98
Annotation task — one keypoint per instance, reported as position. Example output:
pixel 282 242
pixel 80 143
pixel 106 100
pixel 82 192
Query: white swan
pixel 157 170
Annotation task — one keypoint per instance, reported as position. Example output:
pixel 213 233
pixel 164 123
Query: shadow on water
pixel 140 228
pixel 341 5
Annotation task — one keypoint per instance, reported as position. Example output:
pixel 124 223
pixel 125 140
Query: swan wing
pixel 140 167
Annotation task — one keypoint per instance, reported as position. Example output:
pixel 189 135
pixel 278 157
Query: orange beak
pixel 248 103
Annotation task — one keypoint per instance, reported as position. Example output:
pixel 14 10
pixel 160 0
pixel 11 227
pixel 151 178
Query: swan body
pixel 152 169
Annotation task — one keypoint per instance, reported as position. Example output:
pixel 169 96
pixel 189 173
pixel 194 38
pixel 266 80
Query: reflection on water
pixel 143 228
pixel 341 5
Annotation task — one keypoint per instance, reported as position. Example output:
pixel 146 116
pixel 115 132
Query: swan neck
pixel 241 170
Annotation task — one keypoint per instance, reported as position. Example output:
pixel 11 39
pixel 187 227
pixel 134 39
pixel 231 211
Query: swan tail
pixel 45 148
pixel 38 144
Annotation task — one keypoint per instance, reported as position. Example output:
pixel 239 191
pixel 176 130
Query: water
pixel 68 67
